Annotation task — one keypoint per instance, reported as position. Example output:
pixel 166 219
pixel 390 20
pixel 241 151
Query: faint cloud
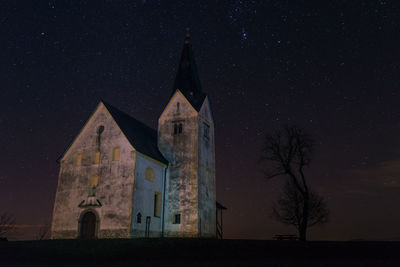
pixel 385 174
pixel 359 192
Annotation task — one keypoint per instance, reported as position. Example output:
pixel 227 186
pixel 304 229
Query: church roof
pixel 142 137
pixel 187 78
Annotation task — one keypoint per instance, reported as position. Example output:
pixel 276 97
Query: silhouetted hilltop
pixel 198 252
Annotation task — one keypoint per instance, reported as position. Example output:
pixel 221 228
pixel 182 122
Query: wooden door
pixel 88 226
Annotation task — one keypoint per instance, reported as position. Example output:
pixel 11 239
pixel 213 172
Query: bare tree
pixel 7 224
pixel 288 208
pixel 289 151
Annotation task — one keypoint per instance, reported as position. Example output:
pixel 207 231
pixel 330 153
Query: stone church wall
pixel 114 181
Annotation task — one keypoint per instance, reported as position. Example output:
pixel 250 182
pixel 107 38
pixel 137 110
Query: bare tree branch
pixel 7 223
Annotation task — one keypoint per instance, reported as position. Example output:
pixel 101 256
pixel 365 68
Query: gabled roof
pixel 187 78
pixel 142 137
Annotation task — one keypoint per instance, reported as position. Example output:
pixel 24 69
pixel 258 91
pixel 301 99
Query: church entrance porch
pixel 88 226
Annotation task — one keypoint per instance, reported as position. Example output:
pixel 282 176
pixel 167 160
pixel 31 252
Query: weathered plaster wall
pixel 207 192
pixel 185 186
pixel 115 181
pixel 143 196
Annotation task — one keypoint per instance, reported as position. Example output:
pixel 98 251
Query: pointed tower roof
pixel 187 78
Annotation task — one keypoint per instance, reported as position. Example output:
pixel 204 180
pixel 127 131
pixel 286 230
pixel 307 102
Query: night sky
pixel 331 67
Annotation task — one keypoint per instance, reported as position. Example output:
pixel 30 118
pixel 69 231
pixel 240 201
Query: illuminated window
pixel 115 154
pixel 149 174
pixel 93 180
pixel 157 204
pixel 177 218
pixel 78 159
pixel 139 218
pixel 96 158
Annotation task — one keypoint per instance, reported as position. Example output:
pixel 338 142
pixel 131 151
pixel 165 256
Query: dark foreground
pixel 197 252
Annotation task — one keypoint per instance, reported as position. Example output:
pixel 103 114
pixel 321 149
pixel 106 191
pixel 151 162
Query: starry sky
pixel 331 67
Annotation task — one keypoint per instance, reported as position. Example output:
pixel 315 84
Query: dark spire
pixel 187 38
pixel 187 79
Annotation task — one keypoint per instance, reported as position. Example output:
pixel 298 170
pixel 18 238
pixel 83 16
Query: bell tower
pixel 186 140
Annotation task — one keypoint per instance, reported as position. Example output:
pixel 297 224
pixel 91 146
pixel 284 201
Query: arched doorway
pixel 88 225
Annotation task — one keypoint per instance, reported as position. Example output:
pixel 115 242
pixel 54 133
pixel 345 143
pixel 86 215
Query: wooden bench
pixel 285 237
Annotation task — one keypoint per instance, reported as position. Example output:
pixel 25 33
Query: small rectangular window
pixel 79 159
pixel 157 204
pixel 96 159
pixel 115 154
pixel 93 180
pixel 206 130
pixel 177 218
pixel 178 128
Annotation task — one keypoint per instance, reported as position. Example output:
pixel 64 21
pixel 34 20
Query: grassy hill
pixel 196 252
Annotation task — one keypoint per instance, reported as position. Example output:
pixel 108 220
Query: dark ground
pixel 197 252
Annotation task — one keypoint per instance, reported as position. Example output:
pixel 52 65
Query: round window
pixel 100 129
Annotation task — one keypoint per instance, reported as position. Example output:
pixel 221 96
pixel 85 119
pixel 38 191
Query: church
pixel 120 178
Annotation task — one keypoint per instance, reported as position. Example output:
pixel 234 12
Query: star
pixel 244 34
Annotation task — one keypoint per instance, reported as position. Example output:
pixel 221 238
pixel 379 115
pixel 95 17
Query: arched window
pixel 177 107
pixel 180 128
pixel 149 174
pixel 100 129
pixel 78 159
pixel 96 158
pixel 115 154
pixel 139 218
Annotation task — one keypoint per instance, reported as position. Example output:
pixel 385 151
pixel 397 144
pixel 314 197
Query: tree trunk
pixel 304 221
pixel 303 233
